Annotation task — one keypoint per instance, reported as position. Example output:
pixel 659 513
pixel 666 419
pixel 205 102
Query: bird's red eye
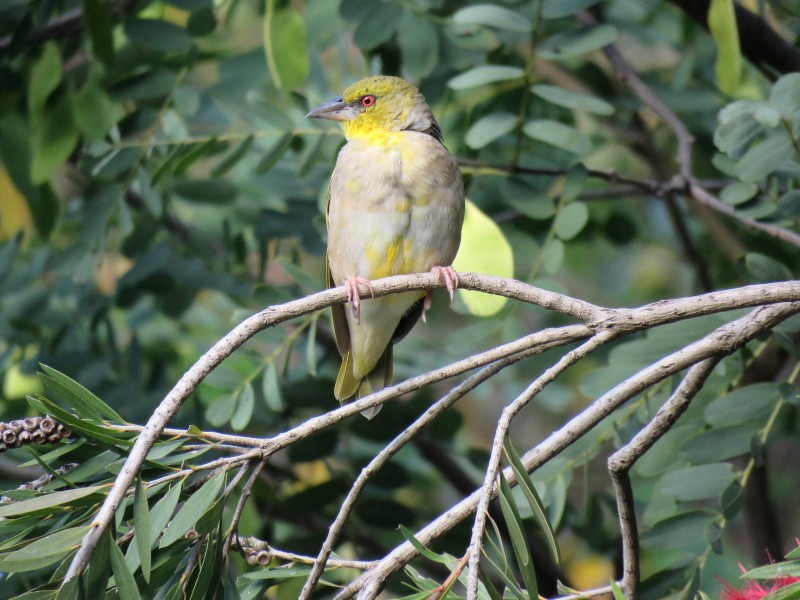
pixel 367 100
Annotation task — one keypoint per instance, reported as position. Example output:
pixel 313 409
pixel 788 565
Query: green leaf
pixel 163 510
pixel 678 531
pixel 43 552
pixel 378 25
pixel 764 158
pixel 576 42
pixel 724 31
pixel 492 15
pixel 271 389
pixel 789 204
pixel 158 35
pixel 100 565
pixel 311 348
pixel 56 500
pixel 141 520
pixel 553 256
pixel 233 158
pixel 738 192
pixel 97 21
pixel 573 100
pixel 54 140
pixel 785 95
pixel 93 111
pixel 245 401
pixel 488 128
pixel 571 220
pixel 275 153
pixel 781 569
pixel 553 9
pixel 525 483
pixel 44 79
pixel 285 46
pixel 751 403
pixel 193 509
pixel 221 410
pixel 559 135
pixel 420 547
pixel 484 249
pixel 519 542
pixel 618 595
pixel 418 39
pixel 719 443
pixel 697 483
pixel 485 75
pixel 123 578
pixel 80 426
pixel 85 403
pixel 765 268
pixel 213 191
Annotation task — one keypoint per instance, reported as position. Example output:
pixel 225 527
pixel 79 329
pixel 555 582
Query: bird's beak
pixel 335 110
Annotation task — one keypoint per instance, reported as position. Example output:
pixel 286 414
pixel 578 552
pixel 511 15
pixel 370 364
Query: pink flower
pixel 755 590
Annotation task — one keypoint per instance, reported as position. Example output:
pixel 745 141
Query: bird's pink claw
pixel 449 277
pixel 354 297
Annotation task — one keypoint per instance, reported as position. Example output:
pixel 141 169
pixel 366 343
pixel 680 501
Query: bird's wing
pixel 341 332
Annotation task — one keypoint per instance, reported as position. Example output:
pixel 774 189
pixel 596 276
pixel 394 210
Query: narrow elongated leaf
pixel 724 31
pixel 44 79
pixel 125 583
pixel 79 396
pixel 81 426
pixel 193 509
pixel 233 158
pixel 518 540
pixel 419 546
pixel 55 500
pixel 275 153
pixel 537 508
pixel 43 552
pixel 141 520
pixel 100 565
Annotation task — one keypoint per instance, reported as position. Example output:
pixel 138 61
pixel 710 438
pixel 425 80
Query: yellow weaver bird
pixel 395 206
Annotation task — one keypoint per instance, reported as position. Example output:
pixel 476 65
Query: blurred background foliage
pixel 158 183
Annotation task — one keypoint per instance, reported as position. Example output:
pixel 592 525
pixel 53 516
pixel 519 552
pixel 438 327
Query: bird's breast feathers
pixel 396 206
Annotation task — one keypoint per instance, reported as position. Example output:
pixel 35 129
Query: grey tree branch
pixel 621 462
pixel 490 483
pixel 622 321
pixel 722 341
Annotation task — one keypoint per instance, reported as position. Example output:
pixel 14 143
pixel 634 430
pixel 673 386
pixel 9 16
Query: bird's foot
pixel 354 297
pixel 449 277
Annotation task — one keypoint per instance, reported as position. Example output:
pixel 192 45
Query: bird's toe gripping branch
pixel 354 297
pixel 449 277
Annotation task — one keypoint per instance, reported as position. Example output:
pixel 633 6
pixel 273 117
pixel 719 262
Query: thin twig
pixel 396 444
pixel 237 513
pixel 621 462
pixel 488 490
pixel 269 552
pixel 723 341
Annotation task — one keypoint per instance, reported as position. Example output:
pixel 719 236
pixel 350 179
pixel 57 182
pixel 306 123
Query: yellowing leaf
pixel 484 249
pixel 285 45
pixel 722 25
pixel 15 215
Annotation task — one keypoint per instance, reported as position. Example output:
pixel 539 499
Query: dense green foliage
pixel 158 183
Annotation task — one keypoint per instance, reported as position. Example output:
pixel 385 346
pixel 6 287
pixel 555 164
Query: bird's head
pixel 376 105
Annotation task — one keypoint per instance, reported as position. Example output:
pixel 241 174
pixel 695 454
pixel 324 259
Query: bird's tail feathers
pixel 348 388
